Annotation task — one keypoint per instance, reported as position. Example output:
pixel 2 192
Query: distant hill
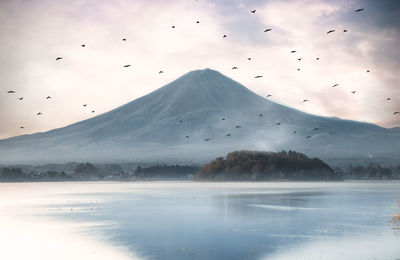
pixel 264 166
pixel 197 117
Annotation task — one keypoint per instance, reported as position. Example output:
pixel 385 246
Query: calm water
pixel 184 220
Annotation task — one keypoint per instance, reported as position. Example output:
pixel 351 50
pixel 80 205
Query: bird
pixel 207 139
pixel 38 114
pixel 260 115
pixel 315 129
pixel 344 30
pixel 92 111
pixel 388 98
pixel 259 76
pixel 126 66
pixel 299 59
pixel 317 58
pixel 249 58
pixel 84 105
pixel 11 92
pixel 278 123
pixel 173 26
pixel 228 134
pixel 83 45
pixel 367 71
pixel 180 121
pixel 298 69
pixel 235 68
pixel 224 36
pixel 353 91
pixel 335 85
pixel 124 39
pixel 21 98
pixel 330 133
pixel 267 30
pixel 269 95
pixel 330 31
pixel 306 100
pixel 48 97
pixel 197 21
pixel 294 132
pixel 160 72
pixel 397 112
pixel 222 119
pixel 359 10
pixel 21 127
pixel 59 58
pixel 309 136
pixel 187 136
pixel 293 51
pixel 253 11
pixel 238 126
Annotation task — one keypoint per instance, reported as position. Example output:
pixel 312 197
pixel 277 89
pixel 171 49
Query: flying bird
pixel 309 136
pixel 388 98
pixel 267 30
pixel 228 134
pixel 298 69
pixel 359 10
pixel 253 11
pixel 330 31
pixel 317 58
pixel 306 100
pixel 278 123
pixel 173 26
pixel 207 139
pixel 38 114
pixel 197 21
pixel 259 76
pixel 293 51
pixel 11 92
pixel 294 132
pixel 315 129
pixel 353 91
pixel 180 121
pixel 21 127
pixel 235 68
pixel 92 111
pixel 223 119
pixel 84 105
pixel 249 58
pixel 299 59
pixel 344 30
pixel 21 98
pixel 83 45
pixel 59 58
pixel 335 85
pixel 238 126
pixel 126 66
pixel 124 39
pixel 224 36
pixel 187 136
pixel 48 97
pixel 260 115
pixel 269 96
pixel 397 112
pixel 367 70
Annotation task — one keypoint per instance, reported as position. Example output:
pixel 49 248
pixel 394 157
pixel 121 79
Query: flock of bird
pixel 233 68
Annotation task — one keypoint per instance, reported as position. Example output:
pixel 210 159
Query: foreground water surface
pixel 185 220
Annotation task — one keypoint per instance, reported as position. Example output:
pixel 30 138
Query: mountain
pixel 154 128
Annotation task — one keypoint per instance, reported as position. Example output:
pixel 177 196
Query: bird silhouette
pixel 238 126
pixel 84 105
pixel 187 136
pixel 395 113
pixel 126 66
pixel 306 100
pixel 228 134
pixel 330 31
pixel 269 96
pixel 353 91
pixel 207 139
pixel 298 69
pixel 197 21
pixel 180 121
pixel 224 36
pixel 223 119
pixel 59 58
pixel 267 30
pixel 317 58
pixel 48 97
pixel 367 70
pixel 235 68
pixel 173 26
pixel 21 98
pixel 21 127
pixel 11 92
pixel 309 136
pixel 359 10
pixel 330 133
pixel 38 114
pixel 253 11
pixel 93 111
pixel 344 30
pixel 83 45
pixel 124 39
pixel 293 51
pixel 257 77
pixel 260 115
pixel 248 58
pixel 294 132
pixel 388 98
pixel 335 85
pixel 315 129
pixel 160 72
pixel 299 59
pixel 279 123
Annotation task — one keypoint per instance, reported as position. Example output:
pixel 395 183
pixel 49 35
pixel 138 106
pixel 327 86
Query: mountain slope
pixel 155 126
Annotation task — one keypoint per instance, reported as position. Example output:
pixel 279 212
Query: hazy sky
pixel 34 33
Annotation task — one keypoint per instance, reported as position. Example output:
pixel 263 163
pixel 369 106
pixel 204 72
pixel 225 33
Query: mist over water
pixel 181 220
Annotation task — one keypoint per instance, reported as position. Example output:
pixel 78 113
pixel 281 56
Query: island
pixel 266 166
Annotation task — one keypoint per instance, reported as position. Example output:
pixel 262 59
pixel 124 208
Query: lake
pixel 186 220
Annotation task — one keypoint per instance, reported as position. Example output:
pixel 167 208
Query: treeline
pixel 166 171
pixel 260 166
pixel 372 171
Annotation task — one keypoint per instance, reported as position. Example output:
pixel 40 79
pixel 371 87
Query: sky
pixel 34 33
